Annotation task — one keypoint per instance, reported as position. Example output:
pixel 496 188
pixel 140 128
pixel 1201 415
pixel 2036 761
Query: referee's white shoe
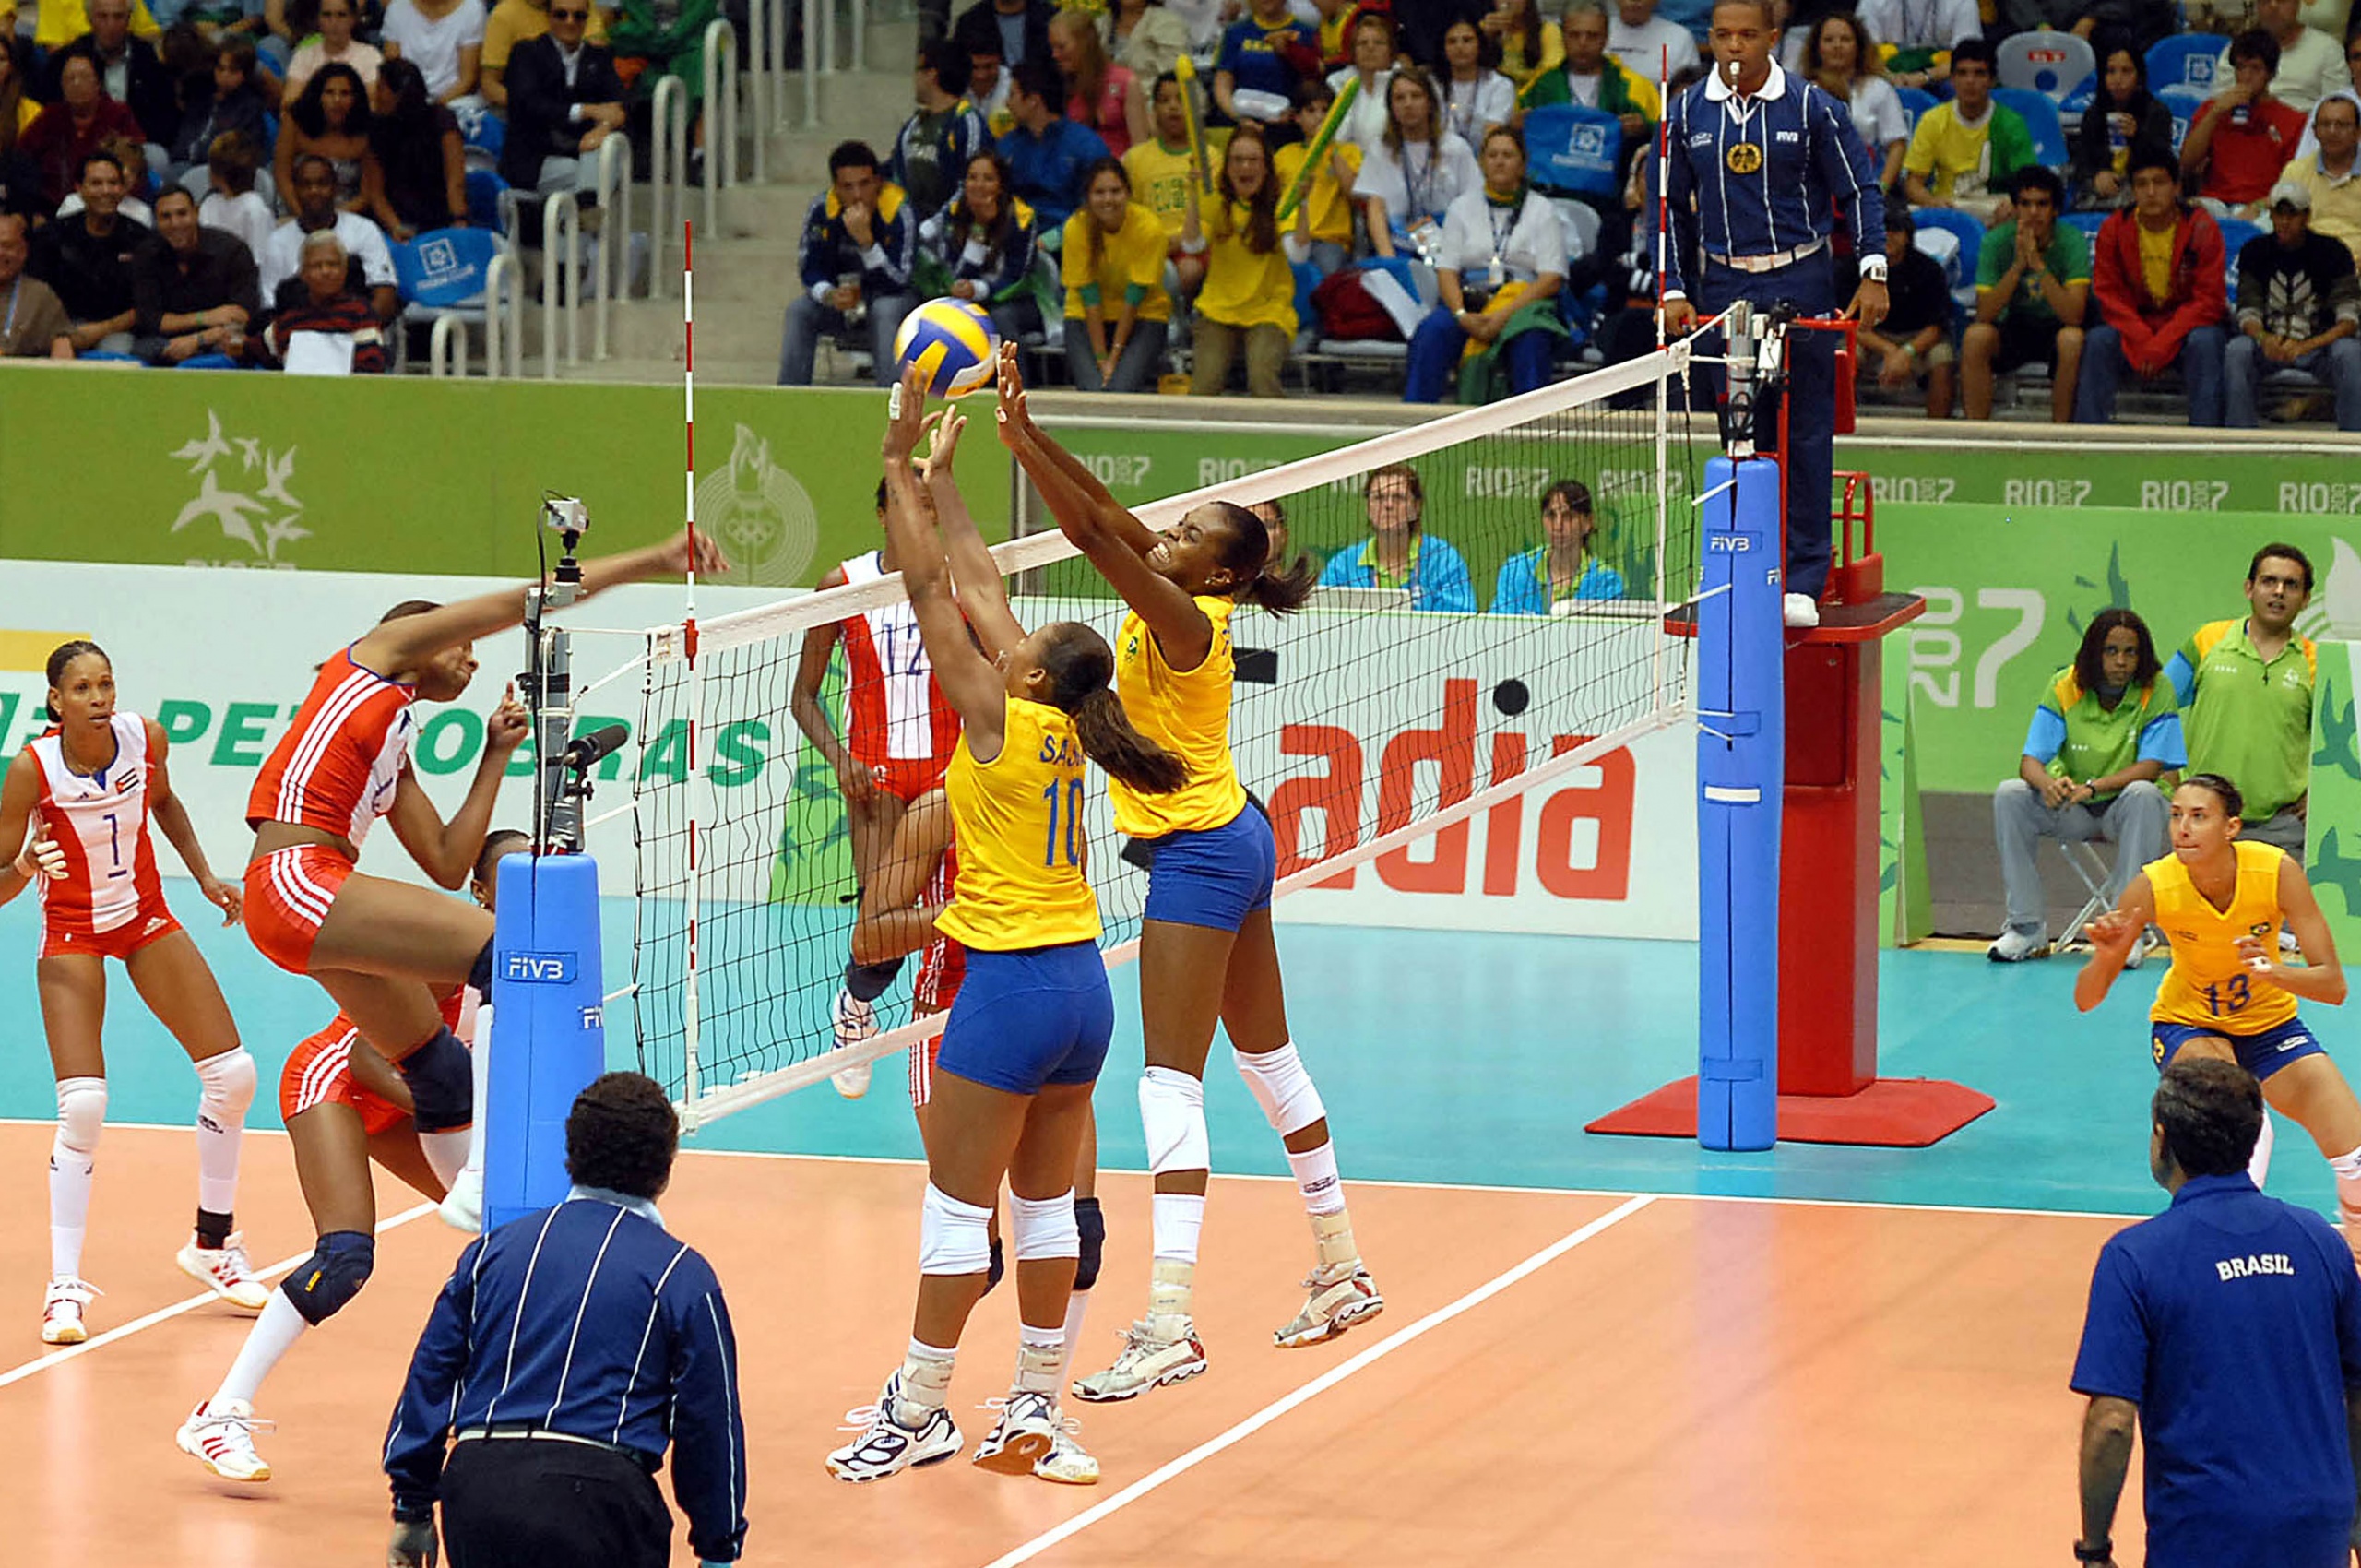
pixel 887 1447
pixel 223 1440
pixel 1800 609
pixel 855 1021
pixel 1029 1437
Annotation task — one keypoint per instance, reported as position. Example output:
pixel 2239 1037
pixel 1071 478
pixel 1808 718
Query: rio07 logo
pixel 2320 497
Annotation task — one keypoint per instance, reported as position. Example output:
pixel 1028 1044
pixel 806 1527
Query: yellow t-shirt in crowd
pixel 1018 821
pixel 1244 288
pixel 1524 72
pixel 513 23
pixel 1332 212
pixel 1133 255
pixel 2156 259
pixel 1159 182
pixel 2209 985
pixel 1187 713
pixel 1951 157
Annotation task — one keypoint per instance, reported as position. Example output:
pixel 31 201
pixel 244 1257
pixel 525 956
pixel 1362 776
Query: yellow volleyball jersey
pixel 2207 984
pixel 1017 820
pixel 1188 714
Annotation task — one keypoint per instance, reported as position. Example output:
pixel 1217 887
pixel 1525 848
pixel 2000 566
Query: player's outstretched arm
pixel 892 921
pixel 2112 936
pixel 983 595
pixel 2320 978
pixel 448 850
pixel 406 643
pixel 972 682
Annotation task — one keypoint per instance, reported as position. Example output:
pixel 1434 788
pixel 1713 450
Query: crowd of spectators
pixel 173 174
pixel 1485 186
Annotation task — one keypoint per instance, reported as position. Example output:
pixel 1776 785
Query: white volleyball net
pixel 1376 719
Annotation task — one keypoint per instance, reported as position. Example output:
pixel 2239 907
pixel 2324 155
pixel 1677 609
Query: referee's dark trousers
pixel 1810 462
pixel 517 1500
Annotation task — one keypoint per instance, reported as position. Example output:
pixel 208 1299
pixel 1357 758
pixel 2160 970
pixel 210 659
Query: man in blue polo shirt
pixel 2229 1328
pixel 1048 154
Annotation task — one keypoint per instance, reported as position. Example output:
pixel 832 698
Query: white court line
pixel 1320 1384
pixel 165 1314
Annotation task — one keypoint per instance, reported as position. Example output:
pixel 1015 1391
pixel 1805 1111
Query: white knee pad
pixel 1172 1113
pixel 1045 1228
pixel 1281 1088
pixel 225 1087
pixel 81 1112
pixel 954 1237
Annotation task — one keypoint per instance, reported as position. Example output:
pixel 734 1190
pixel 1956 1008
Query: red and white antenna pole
pixel 688 1000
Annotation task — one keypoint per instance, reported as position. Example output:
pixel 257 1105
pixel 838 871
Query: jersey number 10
pixel 1073 823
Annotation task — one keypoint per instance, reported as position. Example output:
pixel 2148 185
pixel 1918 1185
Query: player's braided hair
pixel 60 659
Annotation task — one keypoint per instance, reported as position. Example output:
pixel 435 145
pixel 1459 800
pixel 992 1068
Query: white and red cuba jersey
pixel 336 765
pixel 100 820
pixel 893 709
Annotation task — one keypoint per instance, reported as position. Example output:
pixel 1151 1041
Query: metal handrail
pixel 720 117
pixel 610 279
pixel 560 237
pixel 758 83
pixel 667 177
pixel 501 282
pixel 814 60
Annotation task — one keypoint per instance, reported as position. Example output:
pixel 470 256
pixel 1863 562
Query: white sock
pixel 447 1152
pixel 1316 1178
pixel 926 1381
pixel 226 1087
pixel 1078 1308
pixel 71 1166
pixel 479 1069
pixel 1175 1220
pixel 273 1335
pixel 1041 1360
pixel 2348 1181
pixel 2258 1166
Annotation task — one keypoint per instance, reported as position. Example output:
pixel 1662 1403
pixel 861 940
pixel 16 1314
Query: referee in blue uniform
pixel 2229 1328
pixel 1760 161
pixel 570 1348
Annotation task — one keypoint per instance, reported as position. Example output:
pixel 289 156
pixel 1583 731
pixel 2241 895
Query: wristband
pixel 2102 1552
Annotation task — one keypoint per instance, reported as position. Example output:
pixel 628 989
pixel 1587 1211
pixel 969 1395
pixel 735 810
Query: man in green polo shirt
pixel 2246 687
pixel 2032 289
pixel 2105 729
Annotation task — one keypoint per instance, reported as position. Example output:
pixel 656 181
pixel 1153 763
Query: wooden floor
pixel 1685 1381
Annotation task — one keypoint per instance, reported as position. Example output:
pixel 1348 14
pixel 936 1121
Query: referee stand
pixel 1789 728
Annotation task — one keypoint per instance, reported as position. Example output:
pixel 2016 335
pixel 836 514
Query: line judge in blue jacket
pixel 1760 159
pixel 2229 1328
pixel 1400 553
pixel 568 1350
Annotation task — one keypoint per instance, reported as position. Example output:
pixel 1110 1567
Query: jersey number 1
pixel 114 847
pixel 1073 823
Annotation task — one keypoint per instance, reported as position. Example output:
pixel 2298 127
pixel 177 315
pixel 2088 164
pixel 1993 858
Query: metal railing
pixel 720 117
pixel 667 179
pixel 561 274
pixel 504 336
pixel 610 277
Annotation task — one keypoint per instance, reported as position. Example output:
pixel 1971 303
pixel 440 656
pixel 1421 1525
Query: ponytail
pixel 1108 740
pixel 1281 592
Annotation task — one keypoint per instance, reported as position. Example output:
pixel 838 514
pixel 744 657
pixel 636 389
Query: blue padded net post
pixel 549 1032
pixel 1742 768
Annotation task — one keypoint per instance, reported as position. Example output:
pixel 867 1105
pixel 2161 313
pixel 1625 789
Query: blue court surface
pixel 1443 1057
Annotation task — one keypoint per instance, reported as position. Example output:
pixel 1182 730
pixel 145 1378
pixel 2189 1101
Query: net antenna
pixel 742 912
pixel 699 799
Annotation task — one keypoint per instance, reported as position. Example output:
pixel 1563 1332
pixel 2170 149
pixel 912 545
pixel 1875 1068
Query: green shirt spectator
pixel 2245 689
pixel 2066 259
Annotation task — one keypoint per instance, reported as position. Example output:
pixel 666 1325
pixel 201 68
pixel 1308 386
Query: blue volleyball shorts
pixel 1215 878
pixel 1034 1016
pixel 2263 1053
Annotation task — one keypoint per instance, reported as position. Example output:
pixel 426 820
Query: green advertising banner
pixel 409 474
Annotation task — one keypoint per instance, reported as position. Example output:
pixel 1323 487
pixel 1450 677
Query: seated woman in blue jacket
pixel 1562 567
pixel 1401 554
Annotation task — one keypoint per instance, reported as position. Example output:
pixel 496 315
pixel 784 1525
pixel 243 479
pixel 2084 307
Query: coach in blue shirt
pixel 2230 1328
pixel 1759 159
pixel 568 1350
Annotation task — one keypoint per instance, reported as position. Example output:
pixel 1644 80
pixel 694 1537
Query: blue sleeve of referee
pixel 708 1435
pixel 414 1445
pixel 1844 160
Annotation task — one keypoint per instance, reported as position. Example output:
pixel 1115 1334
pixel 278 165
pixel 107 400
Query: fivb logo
pixel 538 968
pixel 440 262
pixel 1588 141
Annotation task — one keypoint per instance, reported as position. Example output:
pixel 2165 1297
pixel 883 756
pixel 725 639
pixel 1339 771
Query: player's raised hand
pixel 509 723
pixel 905 417
pixel 228 896
pixel 948 426
pixel 40 856
pixel 691 547
pixel 1014 419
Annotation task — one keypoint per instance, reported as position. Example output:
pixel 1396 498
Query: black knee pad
pixel 332 1276
pixel 1093 1226
pixel 480 972
pixel 442 1084
pixel 995 1270
pixel 867 981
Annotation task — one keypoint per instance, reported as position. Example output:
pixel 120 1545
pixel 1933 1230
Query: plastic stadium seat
pixel 486 205
pixel 1582 223
pixel 1962 228
pixel 2183 102
pixel 2039 111
pixel 1915 103
pixel 2184 60
pixel 2236 233
pixel 2054 64
pixel 2088 222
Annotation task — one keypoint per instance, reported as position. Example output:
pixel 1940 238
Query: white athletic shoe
pixel 855 1021
pixel 1147 1363
pixel 1799 609
pixel 223 1441
pixel 61 1310
pixel 1339 1298
pixel 225 1271
pixel 2015 947
pixel 888 1447
pixel 462 1207
pixel 1030 1438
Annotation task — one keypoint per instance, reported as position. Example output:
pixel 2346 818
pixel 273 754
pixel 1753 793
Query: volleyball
pixel 952 343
